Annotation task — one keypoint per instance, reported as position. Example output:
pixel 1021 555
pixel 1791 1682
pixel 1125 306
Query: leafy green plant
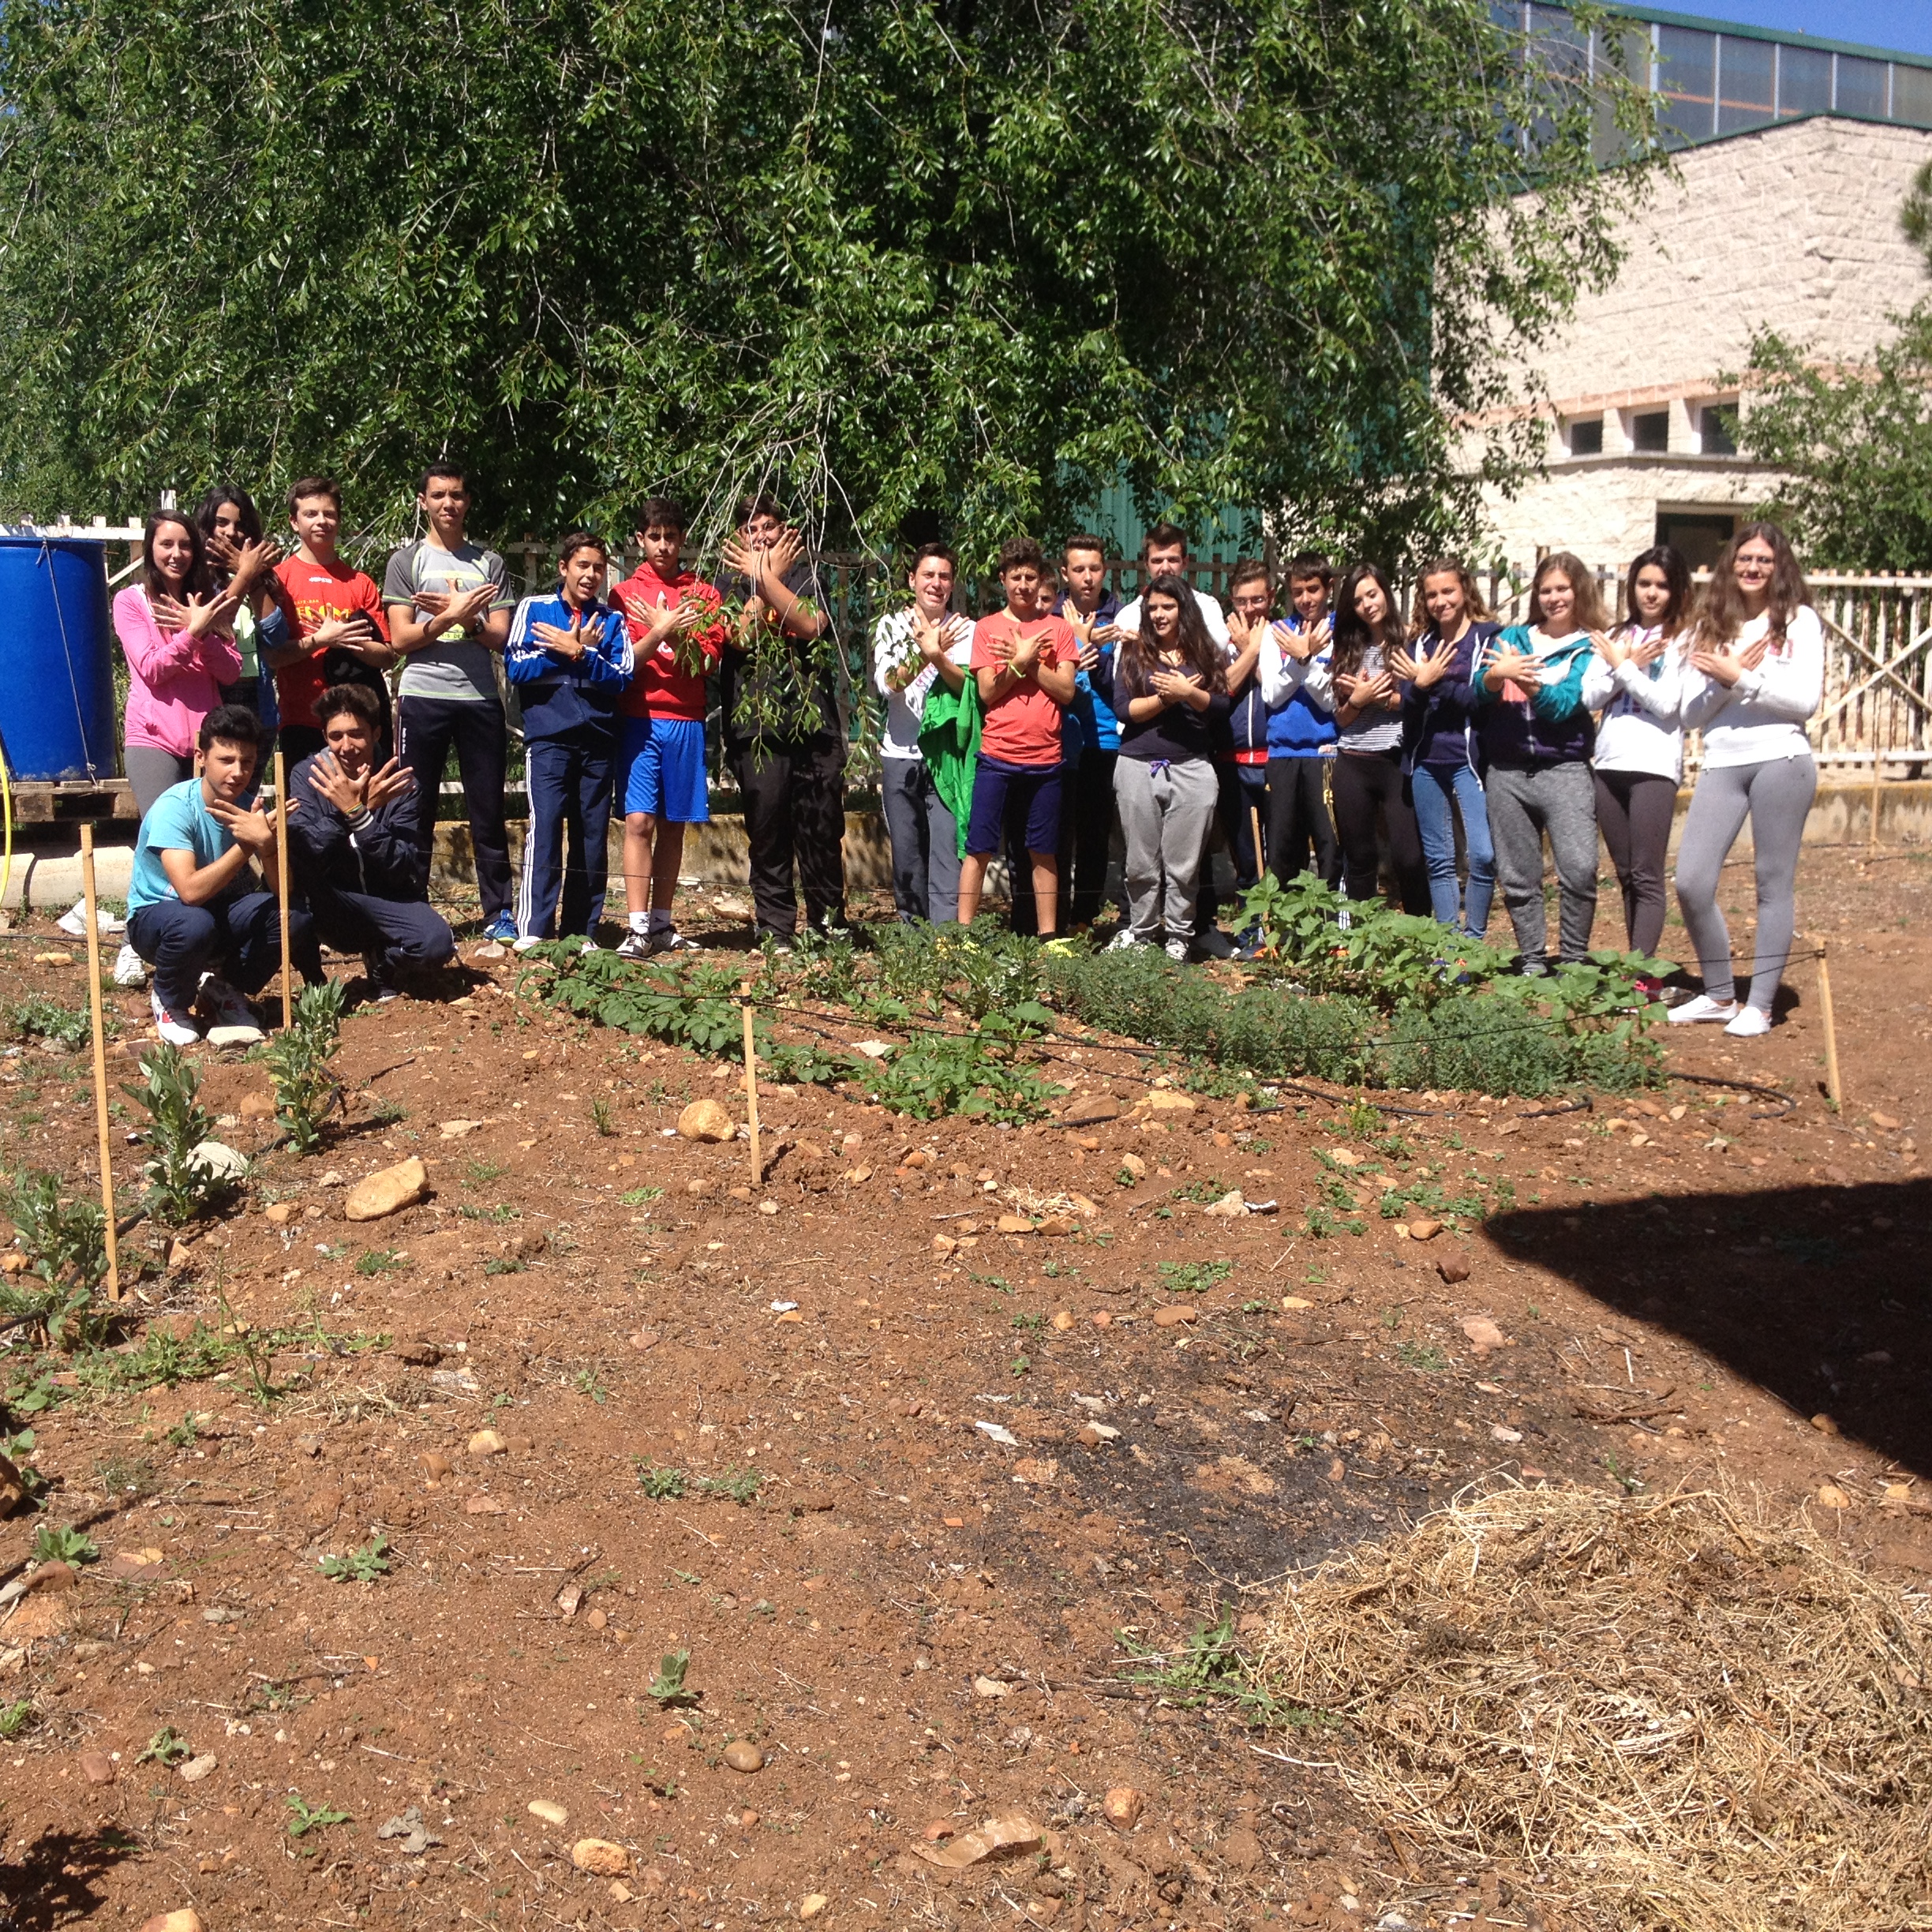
pixel 66 1246
pixel 1210 1667
pixel 62 1543
pixel 377 1261
pixel 974 1074
pixel 1422 1356
pixel 504 1264
pixel 736 1485
pixel 601 1118
pixel 660 1486
pixel 17 1448
pixel 38 1018
pixel 667 1686
pixel 305 1818
pixel 640 1196
pixel 1195 1277
pixel 480 1170
pixel 363 1565
pixel 166 1746
pixel 306 1092
pixel 181 1185
pixel 15 1717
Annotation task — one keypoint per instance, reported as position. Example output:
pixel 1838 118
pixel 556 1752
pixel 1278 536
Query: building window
pixel 1911 93
pixel 1717 429
pixel 1686 61
pixel 1746 82
pixel 1803 81
pixel 1586 437
pixel 1861 87
pixel 1696 535
pixel 1650 433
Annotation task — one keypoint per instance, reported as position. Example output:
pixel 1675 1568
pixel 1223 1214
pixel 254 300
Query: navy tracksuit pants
pixel 568 780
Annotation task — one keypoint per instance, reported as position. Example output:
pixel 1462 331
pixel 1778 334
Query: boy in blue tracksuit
pixel 1301 730
pixel 569 656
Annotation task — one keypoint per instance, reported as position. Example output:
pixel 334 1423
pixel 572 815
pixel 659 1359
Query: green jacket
pixel 949 741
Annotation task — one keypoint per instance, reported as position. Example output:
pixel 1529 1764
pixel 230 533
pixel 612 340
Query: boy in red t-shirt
pixel 676 633
pixel 1024 663
pixel 342 634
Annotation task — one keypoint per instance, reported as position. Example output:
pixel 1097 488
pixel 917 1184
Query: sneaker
pixel 1213 944
pixel 502 930
pixel 229 1013
pixel 524 945
pixel 1124 941
pixel 382 990
pixel 130 969
pixel 176 1032
pixel 1750 1022
pixel 634 946
pixel 1703 1010
pixel 1177 950
pixel 73 921
pixel 589 945
pixel 668 939
pixel 779 942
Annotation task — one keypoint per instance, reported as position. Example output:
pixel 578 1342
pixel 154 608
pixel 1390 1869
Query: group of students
pixel 1035 731
pixel 1036 726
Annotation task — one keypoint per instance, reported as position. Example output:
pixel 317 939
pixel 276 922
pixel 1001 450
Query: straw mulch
pixel 1665 1711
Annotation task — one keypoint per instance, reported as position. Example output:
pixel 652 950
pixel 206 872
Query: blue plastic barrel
pixel 57 694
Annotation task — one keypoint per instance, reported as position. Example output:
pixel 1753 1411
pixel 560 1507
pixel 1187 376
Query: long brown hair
pixel 1141 654
pixel 1589 614
pixel 1676 575
pixel 196 583
pixel 1353 635
pixel 1720 610
pixel 1474 608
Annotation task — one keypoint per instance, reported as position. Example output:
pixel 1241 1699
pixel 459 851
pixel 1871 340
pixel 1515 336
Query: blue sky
pixel 1905 26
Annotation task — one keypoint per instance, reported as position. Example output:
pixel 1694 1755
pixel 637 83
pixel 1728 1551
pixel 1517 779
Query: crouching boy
pixel 194 906
pixel 353 850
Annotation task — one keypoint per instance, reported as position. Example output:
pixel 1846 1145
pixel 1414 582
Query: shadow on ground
pixel 1819 1295
pixel 51 1882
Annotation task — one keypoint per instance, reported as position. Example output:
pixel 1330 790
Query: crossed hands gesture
pixel 1430 668
pixel 1728 667
pixel 568 645
pixel 454 610
pixel 373 791
pixel 197 616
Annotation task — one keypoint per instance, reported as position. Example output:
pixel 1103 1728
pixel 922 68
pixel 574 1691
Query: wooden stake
pixel 1832 1085
pixel 282 887
pixel 758 1169
pixel 95 1007
pixel 1254 819
pixel 1878 781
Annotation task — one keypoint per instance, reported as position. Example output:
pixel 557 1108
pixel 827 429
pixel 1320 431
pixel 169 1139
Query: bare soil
pixel 914 1622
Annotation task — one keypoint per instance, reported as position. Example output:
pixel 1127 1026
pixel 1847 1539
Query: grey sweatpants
pixel 1559 800
pixel 925 842
pixel 151 771
pixel 1776 797
pixel 1166 810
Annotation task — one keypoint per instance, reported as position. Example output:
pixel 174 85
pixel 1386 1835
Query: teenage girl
pixel 1358 683
pixel 239 557
pixel 1755 673
pixel 1537 739
pixel 1439 740
pixel 1170 692
pixel 1636 682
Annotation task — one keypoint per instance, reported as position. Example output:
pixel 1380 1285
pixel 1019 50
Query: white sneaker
pixel 1178 949
pixel 589 945
pixel 1123 942
pixel 228 1013
pixel 668 939
pixel 176 1032
pixel 1750 1021
pixel 523 946
pixel 635 944
pixel 1703 1010
pixel 73 921
pixel 130 969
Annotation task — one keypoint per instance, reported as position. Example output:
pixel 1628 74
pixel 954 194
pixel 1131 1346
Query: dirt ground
pixel 919 1624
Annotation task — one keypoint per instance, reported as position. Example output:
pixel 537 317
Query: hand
pixel 347 795
pixel 1299 645
pixel 1240 631
pixel 742 560
pixel 1176 687
pixel 1728 667
pixel 568 645
pixel 1362 693
pixel 457 610
pixel 1512 668
pixel 354 633
pixel 248 562
pixel 204 612
pixel 1089 657
pixel 395 781
pixel 251 827
pixel 169 613
pixel 1105 634
pixel 930 636
pixel 1612 649
pixel 1430 668
pixel 1647 653
pixel 780 558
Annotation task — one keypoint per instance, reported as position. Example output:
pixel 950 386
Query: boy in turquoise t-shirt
pixel 193 905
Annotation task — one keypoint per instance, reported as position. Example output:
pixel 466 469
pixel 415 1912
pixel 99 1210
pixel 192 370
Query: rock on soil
pixel 387 1190
pixel 706 1120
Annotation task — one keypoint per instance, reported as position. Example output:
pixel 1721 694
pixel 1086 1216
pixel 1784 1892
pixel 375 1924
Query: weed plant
pixel 306 1091
pixel 66 1246
pixel 180 1186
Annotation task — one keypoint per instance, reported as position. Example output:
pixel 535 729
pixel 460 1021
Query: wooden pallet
pixel 69 801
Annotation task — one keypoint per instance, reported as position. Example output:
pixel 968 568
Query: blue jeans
pixel 1438 791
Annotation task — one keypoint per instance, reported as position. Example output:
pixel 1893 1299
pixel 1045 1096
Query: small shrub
pixel 306 1091
pixel 180 1185
pixel 66 1246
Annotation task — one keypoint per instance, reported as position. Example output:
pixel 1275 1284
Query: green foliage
pixel 696 1006
pixel 362 1565
pixel 66 1246
pixel 38 1018
pixel 975 1074
pixel 17 1448
pixel 179 1186
pixel 15 1717
pixel 377 1261
pixel 1195 1277
pixel 668 1687
pixel 243 237
pixel 1210 1667
pixel 306 1092
pixel 661 1485
pixel 305 1818
pixel 601 1117
pixel 736 1485
pixel 1422 1356
pixel 640 1196
pixel 62 1543
pixel 167 1746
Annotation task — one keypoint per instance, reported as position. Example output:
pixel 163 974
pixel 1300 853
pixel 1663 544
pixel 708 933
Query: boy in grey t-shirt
pixel 448 602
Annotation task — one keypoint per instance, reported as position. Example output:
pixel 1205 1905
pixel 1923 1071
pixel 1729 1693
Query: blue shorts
pixel 1012 799
pixel 661 770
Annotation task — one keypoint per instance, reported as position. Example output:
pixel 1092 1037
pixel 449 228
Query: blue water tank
pixel 57 694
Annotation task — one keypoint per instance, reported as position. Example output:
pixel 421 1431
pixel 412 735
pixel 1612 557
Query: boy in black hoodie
pixel 352 850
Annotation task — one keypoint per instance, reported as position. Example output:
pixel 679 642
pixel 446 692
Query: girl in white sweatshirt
pixel 1636 681
pixel 1755 675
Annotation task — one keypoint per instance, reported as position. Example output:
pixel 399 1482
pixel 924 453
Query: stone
pixel 742 1755
pixel 1133 1166
pixel 1062 1320
pixel 1014 1224
pixel 218 1161
pixel 1175 1314
pixel 1230 1207
pixel 257 1107
pixel 1824 1424
pixel 709 1120
pixel 387 1191
pixel 1453 1268
pixel 1165 1100
pixel 484 1506
pixel 1483 1333
pixel 1424 1230
pixel 184 1920
pixel 486 1443
pixel 97 1767
pixel 12 1487
pixel 551 1812
pixel 179 1255
pixel 456 1129
pixel 132 1565
pixel 812 1905
pixel 599 1857
pixel 436 1464
pixel 1121 1807
pixel 197 1769
pixel 944 1245
pixel 417 1355
pixel 1832 1497
pixel 52 1576
pixel 280 1213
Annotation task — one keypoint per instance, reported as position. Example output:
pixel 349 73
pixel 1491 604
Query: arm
pixel 150 654
pixel 1318 679
pixel 1661 696
pixel 1058 678
pixel 1789 688
pixel 609 659
pixel 1281 674
pixel 196 886
pixel 315 831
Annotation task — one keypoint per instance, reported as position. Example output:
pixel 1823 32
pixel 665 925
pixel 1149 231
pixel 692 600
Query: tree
pixel 957 265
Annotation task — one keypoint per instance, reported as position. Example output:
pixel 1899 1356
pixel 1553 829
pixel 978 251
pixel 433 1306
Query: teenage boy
pixel 1302 733
pixel 1240 763
pixel 352 849
pixel 783 734
pixel 913 651
pixel 342 636
pixel 1092 612
pixel 569 656
pixel 677 635
pixel 1023 664
pixel 448 604
pixel 194 906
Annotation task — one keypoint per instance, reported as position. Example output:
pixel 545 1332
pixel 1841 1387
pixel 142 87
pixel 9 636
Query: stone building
pixel 1789 224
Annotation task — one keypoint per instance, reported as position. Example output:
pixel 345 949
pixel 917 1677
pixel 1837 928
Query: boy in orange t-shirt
pixel 1024 663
